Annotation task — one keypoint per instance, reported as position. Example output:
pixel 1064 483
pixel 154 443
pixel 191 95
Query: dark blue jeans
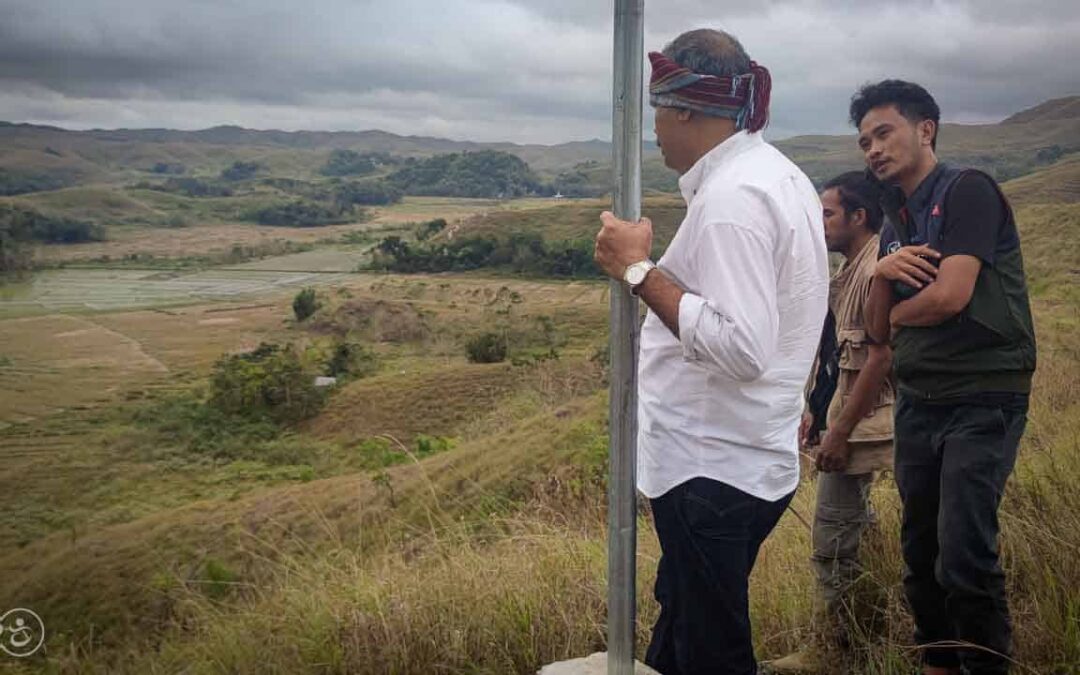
pixel 709 534
pixel 952 461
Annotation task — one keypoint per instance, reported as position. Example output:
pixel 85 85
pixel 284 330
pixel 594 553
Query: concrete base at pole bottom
pixel 595 664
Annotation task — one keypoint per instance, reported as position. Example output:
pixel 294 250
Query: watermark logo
pixel 22 632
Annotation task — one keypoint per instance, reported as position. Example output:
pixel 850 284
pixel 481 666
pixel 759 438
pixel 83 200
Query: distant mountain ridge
pixel 542 157
pixel 1025 142
pixel 1066 108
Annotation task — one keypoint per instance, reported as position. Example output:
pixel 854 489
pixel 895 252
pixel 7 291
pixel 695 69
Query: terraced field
pixel 81 290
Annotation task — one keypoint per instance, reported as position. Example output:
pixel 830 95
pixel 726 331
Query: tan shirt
pixel 871 438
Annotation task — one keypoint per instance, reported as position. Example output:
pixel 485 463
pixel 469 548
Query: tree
pixel 270 382
pixel 240 171
pixel 300 213
pixel 488 173
pixel 368 193
pixel 350 163
pixel 305 304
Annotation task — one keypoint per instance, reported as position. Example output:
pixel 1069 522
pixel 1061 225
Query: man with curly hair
pixel 949 293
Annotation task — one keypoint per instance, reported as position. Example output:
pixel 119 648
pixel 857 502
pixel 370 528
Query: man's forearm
pixel 662 295
pixel 879 304
pixel 864 393
pixel 928 308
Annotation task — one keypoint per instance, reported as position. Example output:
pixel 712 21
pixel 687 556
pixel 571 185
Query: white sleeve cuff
pixel 690 308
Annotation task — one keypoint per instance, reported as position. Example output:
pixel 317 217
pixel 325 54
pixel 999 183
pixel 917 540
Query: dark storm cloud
pixel 526 70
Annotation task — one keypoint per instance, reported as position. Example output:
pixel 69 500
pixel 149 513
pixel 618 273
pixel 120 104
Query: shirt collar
pixel 691 181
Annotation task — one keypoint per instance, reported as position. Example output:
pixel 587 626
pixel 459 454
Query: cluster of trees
pixel 301 213
pixel 21 182
pixel 169 168
pixel 488 173
pixel 270 382
pixel 371 192
pixel 523 253
pixel 240 171
pixel 587 179
pixel 367 192
pixel 430 228
pixel 254 399
pixel 20 227
pixel 352 163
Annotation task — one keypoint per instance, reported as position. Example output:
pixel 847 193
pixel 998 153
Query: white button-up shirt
pixel 723 400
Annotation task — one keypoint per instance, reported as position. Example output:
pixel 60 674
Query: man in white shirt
pixel 736 306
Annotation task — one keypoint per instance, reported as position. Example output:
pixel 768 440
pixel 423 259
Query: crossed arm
pixel 945 290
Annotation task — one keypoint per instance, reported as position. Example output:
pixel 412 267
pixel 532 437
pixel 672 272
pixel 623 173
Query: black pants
pixel 709 536
pixel 952 461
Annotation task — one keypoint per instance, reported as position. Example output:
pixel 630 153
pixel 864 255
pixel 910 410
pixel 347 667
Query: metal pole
pixel 622 499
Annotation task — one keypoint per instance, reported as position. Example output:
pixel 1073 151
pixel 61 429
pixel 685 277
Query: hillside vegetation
pixel 179 497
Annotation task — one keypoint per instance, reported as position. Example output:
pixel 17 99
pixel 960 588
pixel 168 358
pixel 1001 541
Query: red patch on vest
pixel 936 211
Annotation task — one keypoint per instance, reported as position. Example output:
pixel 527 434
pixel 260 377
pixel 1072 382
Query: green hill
pixel 1055 109
pixel 1024 142
pixel 1057 183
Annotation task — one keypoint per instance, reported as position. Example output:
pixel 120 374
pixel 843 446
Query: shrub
pixel 187 420
pixel 300 213
pixel 175 221
pixel 351 359
pixel 426 446
pixel 17 182
pixel 486 348
pixel 367 193
pixel 352 163
pixel 19 226
pixel 526 253
pixel 174 168
pixel 305 304
pixel 269 382
pixel 430 228
pixel 240 171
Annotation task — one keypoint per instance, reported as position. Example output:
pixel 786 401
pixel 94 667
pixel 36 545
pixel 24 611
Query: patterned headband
pixel 744 98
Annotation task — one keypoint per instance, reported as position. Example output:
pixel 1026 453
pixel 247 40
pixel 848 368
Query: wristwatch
pixel 635 274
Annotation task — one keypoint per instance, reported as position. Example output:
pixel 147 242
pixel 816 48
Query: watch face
pixel 635 274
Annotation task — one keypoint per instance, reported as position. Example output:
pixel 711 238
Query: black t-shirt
pixel 990 346
pixel 976 220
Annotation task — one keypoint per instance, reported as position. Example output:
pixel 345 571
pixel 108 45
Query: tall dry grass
pixel 467 593
pixel 462 591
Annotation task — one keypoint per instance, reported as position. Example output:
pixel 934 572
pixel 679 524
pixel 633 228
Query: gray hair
pixel 709 52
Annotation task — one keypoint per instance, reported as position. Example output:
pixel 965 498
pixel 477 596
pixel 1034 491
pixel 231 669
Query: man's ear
pixel 927 128
pixel 858 218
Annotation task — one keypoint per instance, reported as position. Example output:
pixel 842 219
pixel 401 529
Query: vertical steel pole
pixel 622 499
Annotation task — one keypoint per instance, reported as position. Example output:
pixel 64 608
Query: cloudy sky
pixel 517 70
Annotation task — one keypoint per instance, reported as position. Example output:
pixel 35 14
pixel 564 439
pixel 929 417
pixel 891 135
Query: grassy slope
pixel 489 558
pixel 1056 184
pixel 576 219
pixel 535 593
